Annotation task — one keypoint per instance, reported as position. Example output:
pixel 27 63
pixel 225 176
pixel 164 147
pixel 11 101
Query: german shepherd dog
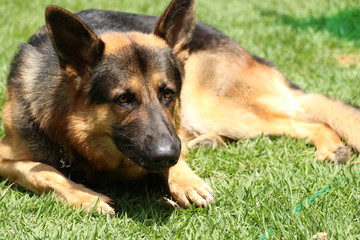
pixel 99 96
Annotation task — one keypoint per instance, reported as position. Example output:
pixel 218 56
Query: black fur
pixel 204 37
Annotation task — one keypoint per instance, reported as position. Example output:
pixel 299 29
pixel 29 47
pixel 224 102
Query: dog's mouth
pixel 150 165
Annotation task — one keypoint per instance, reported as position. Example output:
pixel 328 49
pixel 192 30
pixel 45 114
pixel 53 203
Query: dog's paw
pixel 103 205
pixel 191 190
pixel 90 201
pixel 208 140
pixel 340 155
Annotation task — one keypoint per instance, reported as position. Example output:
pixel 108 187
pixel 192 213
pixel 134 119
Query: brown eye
pixel 168 94
pixel 123 98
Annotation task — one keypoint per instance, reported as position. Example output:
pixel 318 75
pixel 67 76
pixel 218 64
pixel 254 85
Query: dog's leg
pixel 242 123
pixel 42 178
pixel 188 188
pixel 207 139
pixel 342 118
pixel 328 144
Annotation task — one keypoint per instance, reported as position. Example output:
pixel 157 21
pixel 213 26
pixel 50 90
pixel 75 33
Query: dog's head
pixel 124 87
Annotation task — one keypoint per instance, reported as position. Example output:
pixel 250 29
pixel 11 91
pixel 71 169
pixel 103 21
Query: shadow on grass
pixel 142 200
pixel 345 24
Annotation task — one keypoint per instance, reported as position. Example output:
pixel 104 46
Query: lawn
pixel 258 182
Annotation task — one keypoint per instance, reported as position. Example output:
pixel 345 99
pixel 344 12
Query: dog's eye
pixel 124 98
pixel 168 94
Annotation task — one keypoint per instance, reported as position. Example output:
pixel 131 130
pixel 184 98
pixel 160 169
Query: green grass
pixel 258 182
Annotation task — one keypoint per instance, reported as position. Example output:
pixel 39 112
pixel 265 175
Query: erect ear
pixel 176 26
pixel 75 44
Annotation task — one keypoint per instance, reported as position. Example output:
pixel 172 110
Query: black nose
pixel 164 155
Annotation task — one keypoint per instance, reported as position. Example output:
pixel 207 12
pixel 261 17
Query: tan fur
pixel 11 146
pixel 114 41
pixel 41 178
pixel 185 185
pixel 236 97
pixel 96 144
pixel 207 139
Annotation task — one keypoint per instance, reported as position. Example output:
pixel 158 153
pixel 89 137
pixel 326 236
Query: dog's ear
pixel 176 26
pixel 75 44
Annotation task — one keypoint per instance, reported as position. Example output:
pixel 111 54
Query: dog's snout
pixel 165 154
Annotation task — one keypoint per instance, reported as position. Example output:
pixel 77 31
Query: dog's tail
pixel 344 119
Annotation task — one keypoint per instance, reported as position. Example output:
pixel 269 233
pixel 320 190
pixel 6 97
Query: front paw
pixel 187 188
pixel 192 191
pixel 89 200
